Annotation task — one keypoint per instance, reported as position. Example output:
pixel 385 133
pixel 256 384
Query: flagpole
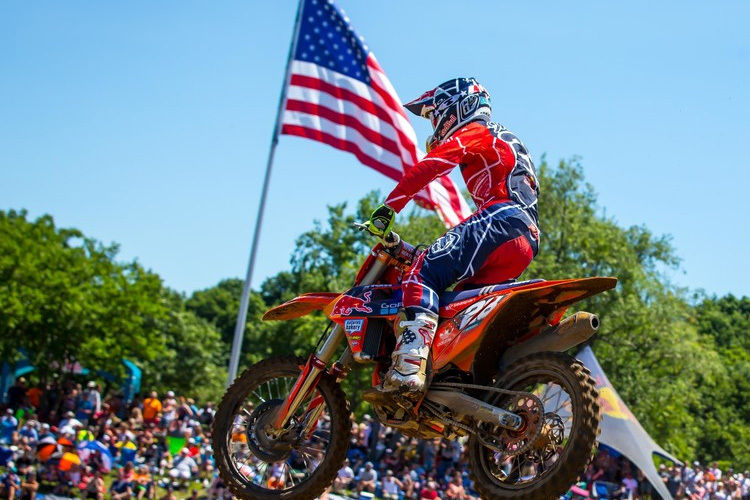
pixel 239 329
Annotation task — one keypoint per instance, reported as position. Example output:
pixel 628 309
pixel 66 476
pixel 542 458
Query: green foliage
pixel 724 408
pixel 647 344
pixel 65 298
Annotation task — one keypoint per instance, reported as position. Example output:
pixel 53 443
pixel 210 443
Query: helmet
pixel 451 105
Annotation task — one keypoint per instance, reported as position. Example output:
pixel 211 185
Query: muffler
pixel 461 403
pixel 566 335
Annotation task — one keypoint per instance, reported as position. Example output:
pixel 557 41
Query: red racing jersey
pixel 494 163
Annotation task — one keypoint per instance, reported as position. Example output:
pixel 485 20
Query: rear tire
pixel 561 452
pixel 239 452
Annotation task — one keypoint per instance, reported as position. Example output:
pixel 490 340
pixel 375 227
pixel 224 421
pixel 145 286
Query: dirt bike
pixel 499 377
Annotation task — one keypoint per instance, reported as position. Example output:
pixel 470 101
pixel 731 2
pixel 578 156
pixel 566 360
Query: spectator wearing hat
pixel 29 431
pixel 429 492
pixel 343 478
pixel 8 426
pixel 183 467
pixel 392 486
pixel 367 479
pixel 89 404
pixel 143 484
pixel 169 409
pixel 69 424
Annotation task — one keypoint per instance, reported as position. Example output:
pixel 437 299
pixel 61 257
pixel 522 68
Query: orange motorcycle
pixel 500 378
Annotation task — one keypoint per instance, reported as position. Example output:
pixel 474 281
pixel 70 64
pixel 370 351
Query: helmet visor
pixel 422 105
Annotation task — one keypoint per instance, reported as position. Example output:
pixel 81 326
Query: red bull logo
pixel 347 304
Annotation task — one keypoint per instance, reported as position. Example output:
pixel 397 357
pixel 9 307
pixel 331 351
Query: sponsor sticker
pixel 353 325
pixel 390 309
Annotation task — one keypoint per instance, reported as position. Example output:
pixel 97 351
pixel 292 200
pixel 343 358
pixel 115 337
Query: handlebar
pixel 390 240
pixel 393 243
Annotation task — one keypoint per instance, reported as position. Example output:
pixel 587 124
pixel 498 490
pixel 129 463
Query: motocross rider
pixel 495 244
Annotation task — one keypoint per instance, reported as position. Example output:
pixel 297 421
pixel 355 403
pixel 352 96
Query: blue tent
pixel 9 374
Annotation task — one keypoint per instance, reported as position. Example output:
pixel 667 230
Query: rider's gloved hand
pixel 381 220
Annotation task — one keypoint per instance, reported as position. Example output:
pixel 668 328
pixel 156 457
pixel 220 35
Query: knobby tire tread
pixel 579 450
pixel 334 456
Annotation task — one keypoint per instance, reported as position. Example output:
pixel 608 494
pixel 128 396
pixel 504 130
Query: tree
pixel 64 298
pixel 648 343
pixel 194 361
pixel 723 408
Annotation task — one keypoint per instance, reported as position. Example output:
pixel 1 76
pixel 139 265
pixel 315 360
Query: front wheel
pixel 549 461
pixel 257 463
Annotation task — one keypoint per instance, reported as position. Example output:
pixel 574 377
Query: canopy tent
pixel 621 431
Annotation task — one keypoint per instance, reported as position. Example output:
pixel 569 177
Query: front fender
pixel 300 306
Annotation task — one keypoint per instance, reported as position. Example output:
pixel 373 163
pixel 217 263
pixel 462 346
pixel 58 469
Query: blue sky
pixel 148 123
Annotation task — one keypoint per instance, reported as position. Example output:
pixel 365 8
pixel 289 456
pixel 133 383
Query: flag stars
pixel 328 40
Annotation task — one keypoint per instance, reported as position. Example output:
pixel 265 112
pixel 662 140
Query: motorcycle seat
pixel 447 298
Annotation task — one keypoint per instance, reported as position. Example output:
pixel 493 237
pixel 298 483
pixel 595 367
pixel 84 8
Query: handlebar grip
pixel 391 239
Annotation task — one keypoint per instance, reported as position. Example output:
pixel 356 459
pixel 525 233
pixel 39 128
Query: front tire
pixel 563 448
pixel 251 468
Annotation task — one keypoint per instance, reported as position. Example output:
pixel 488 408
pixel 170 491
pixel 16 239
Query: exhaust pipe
pixel 569 333
pixel 463 404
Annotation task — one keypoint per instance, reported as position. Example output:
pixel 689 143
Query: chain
pixel 517 451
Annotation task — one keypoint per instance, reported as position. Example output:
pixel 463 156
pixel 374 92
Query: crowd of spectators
pixel 67 440
pixel 621 479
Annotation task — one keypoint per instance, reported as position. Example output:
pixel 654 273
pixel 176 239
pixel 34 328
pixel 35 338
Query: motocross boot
pixel 415 330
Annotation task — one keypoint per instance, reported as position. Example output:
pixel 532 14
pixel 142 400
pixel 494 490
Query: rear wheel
pixel 549 461
pixel 256 463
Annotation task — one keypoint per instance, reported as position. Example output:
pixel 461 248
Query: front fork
pixel 308 380
pixel 317 362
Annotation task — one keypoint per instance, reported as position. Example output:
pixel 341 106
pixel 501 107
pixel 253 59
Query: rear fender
pixel 475 338
pixel 526 313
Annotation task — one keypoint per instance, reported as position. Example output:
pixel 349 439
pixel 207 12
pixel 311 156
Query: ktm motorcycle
pixel 499 378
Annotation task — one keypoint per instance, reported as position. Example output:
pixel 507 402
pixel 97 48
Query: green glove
pixel 381 220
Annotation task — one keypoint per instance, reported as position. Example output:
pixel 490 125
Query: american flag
pixel 338 94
